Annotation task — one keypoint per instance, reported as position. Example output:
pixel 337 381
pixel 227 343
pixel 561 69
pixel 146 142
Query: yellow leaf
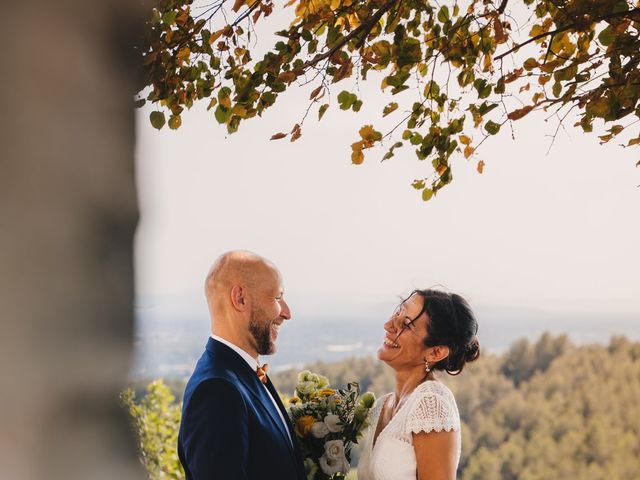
pixel 367 133
pixel 215 35
pixel 239 110
pixel 543 79
pixel 357 157
pixel 225 102
pixel 184 53
pixel 335 4
pixel 464 139
pixel 634 141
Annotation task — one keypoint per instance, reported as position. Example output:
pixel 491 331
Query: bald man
pixel 234 426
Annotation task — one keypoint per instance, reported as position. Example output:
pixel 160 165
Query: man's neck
pixel 238 342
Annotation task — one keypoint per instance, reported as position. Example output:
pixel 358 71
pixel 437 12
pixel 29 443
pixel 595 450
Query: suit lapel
pixel 296 446
pixel 253 384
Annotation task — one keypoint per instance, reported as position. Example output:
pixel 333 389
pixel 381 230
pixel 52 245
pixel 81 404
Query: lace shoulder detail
pixel 432 409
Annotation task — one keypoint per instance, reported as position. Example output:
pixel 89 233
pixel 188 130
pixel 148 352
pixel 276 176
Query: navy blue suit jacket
pixel 230 429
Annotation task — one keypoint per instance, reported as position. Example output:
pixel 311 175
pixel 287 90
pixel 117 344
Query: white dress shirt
pixel 253 363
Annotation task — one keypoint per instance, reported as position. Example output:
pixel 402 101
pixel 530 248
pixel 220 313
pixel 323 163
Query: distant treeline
pixel 541 411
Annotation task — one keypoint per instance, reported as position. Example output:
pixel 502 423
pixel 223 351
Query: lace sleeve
pixel 433 410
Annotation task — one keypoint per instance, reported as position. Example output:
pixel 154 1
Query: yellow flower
pixel 327 392
pixel 303 425
pixel 294 400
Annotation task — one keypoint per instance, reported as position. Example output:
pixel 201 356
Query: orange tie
pixel 262 372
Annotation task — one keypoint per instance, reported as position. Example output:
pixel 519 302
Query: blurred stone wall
pixel 67 218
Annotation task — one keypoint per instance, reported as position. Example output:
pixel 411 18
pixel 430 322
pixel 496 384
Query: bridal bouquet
pixel 328 422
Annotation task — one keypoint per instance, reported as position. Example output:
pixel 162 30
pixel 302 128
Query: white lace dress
pixel 430 407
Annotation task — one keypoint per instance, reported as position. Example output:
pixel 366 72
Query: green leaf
pixel 174 122
pixel 443 14
pixel 346 99
pixel 427 193
pixel 157 119
pixel 492 127
pixel 557 89
pixel 322 110
pixel 389 108
pixel 222 114
pixel 606 37
pixel 530 64
pixel 169 18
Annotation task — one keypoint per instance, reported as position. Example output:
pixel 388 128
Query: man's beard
pixel 260 330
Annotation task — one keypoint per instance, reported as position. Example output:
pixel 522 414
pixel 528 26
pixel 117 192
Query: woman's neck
pixel 408 380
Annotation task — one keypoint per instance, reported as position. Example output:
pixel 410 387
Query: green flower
pixel 310 468
pixel 367 400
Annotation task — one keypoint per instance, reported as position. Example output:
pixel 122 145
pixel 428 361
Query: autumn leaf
pixel 501 36
pixel 468 151
pixel 480 166
pixel 520 112
pixel 278 136
pixel 214 36
pixel 237 5
pixel 315 92
pixel 296 132
pixel 389 108
pixel 464 139
pixel 357 157
pixel 174 122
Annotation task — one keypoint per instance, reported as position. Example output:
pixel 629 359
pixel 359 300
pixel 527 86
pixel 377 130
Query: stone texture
pixel 67 218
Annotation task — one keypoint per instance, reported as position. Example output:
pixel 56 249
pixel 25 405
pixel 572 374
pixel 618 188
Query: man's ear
pixel 238 298
pixel 437 353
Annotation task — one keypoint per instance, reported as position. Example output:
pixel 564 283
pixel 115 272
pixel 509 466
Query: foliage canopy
pixel 541 410
pixel 470 68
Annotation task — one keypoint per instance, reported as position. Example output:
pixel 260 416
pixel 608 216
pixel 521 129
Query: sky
pixel 551 232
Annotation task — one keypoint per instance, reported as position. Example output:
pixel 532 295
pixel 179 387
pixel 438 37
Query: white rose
pixel 331 467
pixel 334 449
pixel 333 423
pixel 319 430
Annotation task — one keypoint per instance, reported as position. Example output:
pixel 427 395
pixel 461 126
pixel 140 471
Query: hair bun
pixel 472 350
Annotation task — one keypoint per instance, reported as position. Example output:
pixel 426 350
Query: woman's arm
pixel 436 455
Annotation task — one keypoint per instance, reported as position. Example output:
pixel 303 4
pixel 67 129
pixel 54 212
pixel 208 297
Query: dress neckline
pixel 376 439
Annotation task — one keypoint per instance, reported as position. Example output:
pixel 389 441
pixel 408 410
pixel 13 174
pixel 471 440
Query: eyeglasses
pixel 398 313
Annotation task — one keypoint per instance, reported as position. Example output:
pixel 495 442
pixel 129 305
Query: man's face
pixel 269 310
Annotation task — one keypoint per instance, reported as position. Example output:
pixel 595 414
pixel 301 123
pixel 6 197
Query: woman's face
pixel 403 344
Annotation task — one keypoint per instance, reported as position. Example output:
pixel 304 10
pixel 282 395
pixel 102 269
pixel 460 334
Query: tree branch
pixel 366 26
pixel 568 27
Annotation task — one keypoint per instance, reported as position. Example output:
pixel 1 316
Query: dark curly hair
pixel 452 324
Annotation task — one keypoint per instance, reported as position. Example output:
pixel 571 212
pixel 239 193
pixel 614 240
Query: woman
pixel 415 431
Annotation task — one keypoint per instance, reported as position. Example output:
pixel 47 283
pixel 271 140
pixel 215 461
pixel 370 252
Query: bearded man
pixel 234 426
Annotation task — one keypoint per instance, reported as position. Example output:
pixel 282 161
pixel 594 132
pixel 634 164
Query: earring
pixel 427 368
